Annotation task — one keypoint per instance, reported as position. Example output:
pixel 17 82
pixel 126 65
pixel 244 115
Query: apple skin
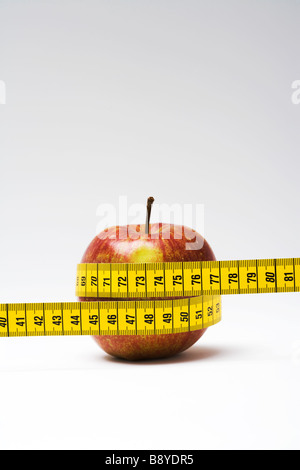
pixel 167 242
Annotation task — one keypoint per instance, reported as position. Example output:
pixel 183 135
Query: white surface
pixel 189 102
pixel 238 388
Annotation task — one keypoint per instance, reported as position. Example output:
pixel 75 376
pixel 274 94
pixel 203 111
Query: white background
pixel 188 101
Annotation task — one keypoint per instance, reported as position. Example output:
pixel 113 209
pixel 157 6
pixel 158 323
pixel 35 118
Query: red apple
pixel 165 243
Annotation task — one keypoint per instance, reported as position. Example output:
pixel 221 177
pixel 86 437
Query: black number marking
pixel 196 279
pixel 177 280
pixel 251 277
pixel 94 281
pixel 140 281
pixel 149 318
pixel 122 281
pixel 93 320
pixel 214 279
pixel 112 319
pixel 270 277
pixel 184 316
pixel 167 317
pixel 232 278
pixel 130 319
pixel 158 281
pixel 38 321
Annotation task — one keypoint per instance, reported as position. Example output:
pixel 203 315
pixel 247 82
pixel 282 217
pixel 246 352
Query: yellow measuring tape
pixel 200 284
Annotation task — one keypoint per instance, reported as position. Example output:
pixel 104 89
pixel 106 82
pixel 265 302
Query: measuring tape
pixel 201 285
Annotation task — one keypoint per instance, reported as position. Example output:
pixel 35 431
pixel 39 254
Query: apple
pixel 157 242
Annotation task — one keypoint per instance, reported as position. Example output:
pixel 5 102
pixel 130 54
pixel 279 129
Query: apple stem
pixel 150 201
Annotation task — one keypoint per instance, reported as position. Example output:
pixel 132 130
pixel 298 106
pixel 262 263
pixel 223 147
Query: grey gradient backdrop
pixel 188 101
